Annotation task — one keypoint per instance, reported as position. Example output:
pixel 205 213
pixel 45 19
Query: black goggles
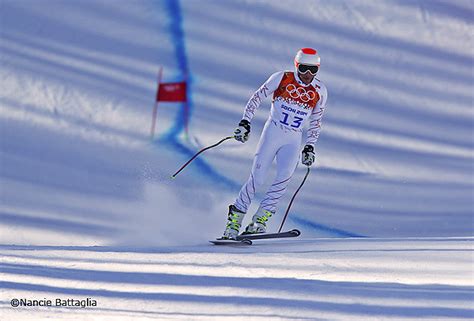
pixel 304 68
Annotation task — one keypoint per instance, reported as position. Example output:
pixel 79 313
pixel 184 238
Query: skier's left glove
pixel 242 132
pixel 308 155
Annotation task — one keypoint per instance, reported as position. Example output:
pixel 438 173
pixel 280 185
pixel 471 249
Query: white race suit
pixel 294 105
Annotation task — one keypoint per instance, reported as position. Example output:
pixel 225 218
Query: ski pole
pixel 293 198
pixel 202 150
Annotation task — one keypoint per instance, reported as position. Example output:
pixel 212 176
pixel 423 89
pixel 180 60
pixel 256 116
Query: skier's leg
pixel 287 160
pixel 261 164
pixel 264 156
pixel 266 151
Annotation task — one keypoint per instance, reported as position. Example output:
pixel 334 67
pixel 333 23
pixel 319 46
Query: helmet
pixel 307 56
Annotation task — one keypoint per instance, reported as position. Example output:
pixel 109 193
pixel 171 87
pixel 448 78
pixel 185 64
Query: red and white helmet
pixel 307 56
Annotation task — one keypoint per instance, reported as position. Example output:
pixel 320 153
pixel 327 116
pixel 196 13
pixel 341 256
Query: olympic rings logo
pixel 300 92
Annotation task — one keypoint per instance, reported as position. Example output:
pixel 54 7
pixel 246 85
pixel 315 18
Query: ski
pixel 292 233
pixel 246 239
pixel 232 242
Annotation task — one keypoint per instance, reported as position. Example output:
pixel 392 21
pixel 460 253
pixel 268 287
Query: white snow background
pixel 88 209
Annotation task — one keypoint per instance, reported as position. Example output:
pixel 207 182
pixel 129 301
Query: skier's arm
pixel 242 131
pixel 315 118
pixel 263 92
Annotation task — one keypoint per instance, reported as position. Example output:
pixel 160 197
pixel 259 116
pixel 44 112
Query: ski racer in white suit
pixel 298 99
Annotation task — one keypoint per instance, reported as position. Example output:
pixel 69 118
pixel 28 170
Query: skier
pixel 298 98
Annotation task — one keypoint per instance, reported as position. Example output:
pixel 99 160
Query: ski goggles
pixel 305 68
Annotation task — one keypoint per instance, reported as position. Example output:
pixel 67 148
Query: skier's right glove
pixel 308 155
pixel 242 132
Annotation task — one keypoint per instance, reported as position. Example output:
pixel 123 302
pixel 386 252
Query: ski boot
pixel 259 222
pixel 234 221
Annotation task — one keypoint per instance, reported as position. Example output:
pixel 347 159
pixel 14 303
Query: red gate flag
pixel 172 92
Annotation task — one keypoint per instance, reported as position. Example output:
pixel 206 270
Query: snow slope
pixel 85 194
pixel 318 279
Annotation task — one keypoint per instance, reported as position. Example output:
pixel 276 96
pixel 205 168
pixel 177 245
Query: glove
pixel 242 132
pixel 308 155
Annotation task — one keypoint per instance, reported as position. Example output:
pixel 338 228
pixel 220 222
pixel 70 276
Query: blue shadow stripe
pixel 17 219
pixel 297 219
pixel 173 9
pixel 171 138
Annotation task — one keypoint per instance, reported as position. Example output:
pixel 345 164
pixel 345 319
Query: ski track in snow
pixel 88 209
